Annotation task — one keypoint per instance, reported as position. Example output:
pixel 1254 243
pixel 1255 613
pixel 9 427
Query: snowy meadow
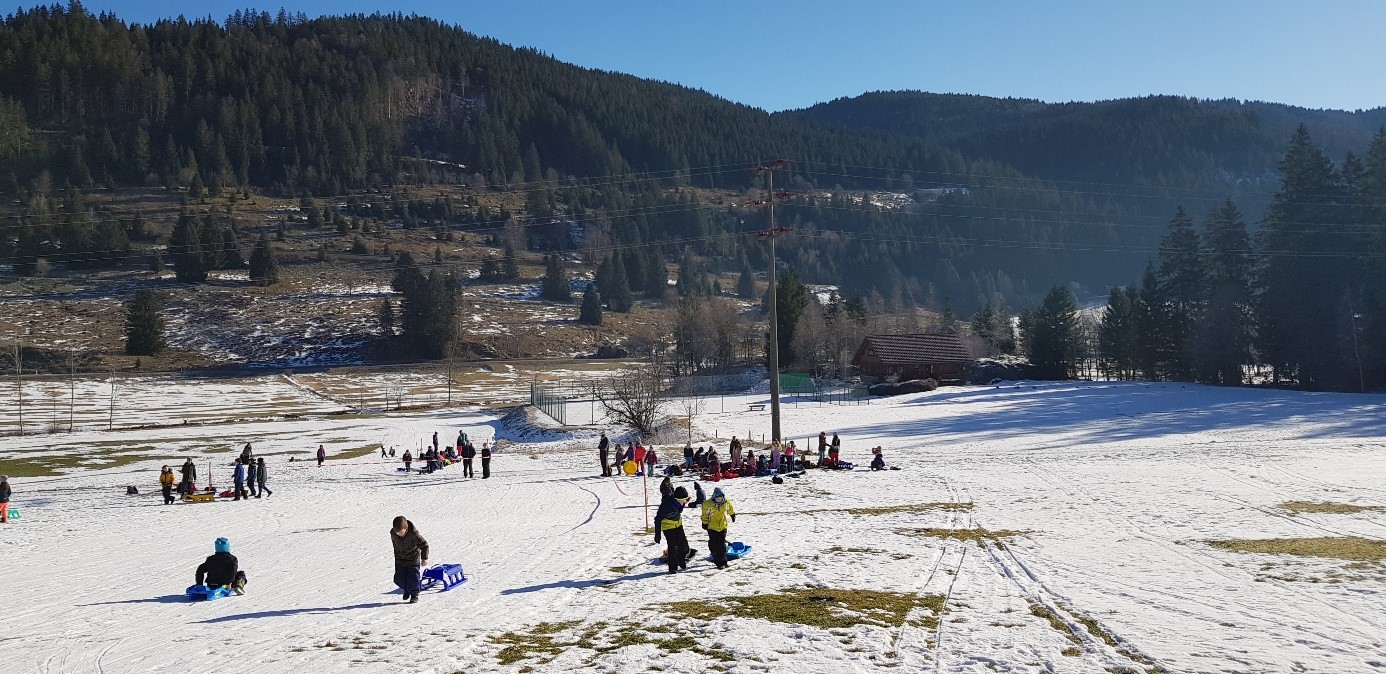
pixel 1062 527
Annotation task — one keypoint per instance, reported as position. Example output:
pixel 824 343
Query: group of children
pixel 464 451
pixel 717 516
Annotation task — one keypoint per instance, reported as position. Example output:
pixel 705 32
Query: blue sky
pixel 1325 54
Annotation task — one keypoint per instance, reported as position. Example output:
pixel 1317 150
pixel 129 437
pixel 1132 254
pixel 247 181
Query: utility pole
pixel 769 172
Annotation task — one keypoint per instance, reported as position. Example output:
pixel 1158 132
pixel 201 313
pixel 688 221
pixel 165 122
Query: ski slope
pixel 1112 490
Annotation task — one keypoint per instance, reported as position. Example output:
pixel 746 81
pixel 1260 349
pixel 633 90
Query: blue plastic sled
pixel 449 575
pixel 204 593
pixel 13 514
pixel 737 550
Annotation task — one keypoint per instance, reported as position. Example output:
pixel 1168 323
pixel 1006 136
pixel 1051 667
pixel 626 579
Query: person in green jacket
pixel 717 515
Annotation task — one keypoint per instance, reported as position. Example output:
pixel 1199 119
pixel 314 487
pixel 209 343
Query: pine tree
pixel 1224 335
pixel 1304 308
pixel 1181 279
pixel 1371 195
pixel 984 326
pixel 656 275
pixel 230 250
pixel 619 299
pixel 1053 335
pixel 185 247
pixel 591 313
pixel 385 318
pixel 791 297
pixel 1118 336
pixel 510 265
pixel 264 267
pixel 144 329
pixel 746 280
pixel 555 285
pixel 1150 326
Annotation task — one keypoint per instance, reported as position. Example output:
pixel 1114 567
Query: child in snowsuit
pixel 5 493
pixel 716 511
pixel 240 481
pixel 411 555
pixel 262 476
pixel 222 569
pixel 878 460
pixel 166 484
pixel 669 524
pixel 651 458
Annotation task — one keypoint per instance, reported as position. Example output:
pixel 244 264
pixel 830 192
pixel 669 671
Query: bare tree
pixel 635 399
pixel 692 406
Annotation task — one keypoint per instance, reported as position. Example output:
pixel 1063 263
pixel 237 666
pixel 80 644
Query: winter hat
pixel 4 478
pixel 717 493
pixel 222 545
pixel 680 493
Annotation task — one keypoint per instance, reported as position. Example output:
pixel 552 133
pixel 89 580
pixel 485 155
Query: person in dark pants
pixel 239 487
pixel 669 524
pixel 251 471
pixel 604 454
pixel 322 455
pixel 408 459
pixel 468 453
pixel 166 484
pixel 189 484
pixel 222 569
pixel 411 555
pixel 5 494
pixel 485 460
pixel 716 513
pixel 262 476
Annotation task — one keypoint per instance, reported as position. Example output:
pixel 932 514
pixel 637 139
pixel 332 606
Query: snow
pixel 1116 487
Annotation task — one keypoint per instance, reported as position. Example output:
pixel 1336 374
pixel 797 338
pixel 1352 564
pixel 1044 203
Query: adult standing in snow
pixel 239 481
pixel 411 555
pixel 166 484
pixel 604 455
pixel 835 450
pixel 5 493
pixel 485 460
pixel 735 451
pixel 822 446
pixel 468 453
pixel 669 524
pixel 716 513
pixel 262 476
pixel 435 442
pixel 189 484
pixel 251 473
pixel 408 459
pixel 222 569
pixel 322 455
pixel 688 456
pixel 775 457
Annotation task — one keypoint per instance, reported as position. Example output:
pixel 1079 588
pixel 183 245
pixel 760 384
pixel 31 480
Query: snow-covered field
pixel 1100 500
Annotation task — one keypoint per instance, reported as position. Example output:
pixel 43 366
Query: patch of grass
pixel 826 608
pixel 536 643
pixel 1042 611
pixel 53 465
pixel 620 570
pixel 838 548
pixel 356 452
pixel 1351 548
pixel 1325 507
pixel 1071 651
pixel 1095 628
pixel 976 535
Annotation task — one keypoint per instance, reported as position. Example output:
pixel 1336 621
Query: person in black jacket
pixel 485 460
pixel 468 453
pixel 411 555
pixel 189 484
pixel 408 459
pixel 222 569
pixel 669 524
pixel 604 454
pixel 261 477
pixel 252 469
pixel 5 493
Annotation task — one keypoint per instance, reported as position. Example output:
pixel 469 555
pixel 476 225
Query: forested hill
pixel 1155 140
pixel 294 107
pixel 327 105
